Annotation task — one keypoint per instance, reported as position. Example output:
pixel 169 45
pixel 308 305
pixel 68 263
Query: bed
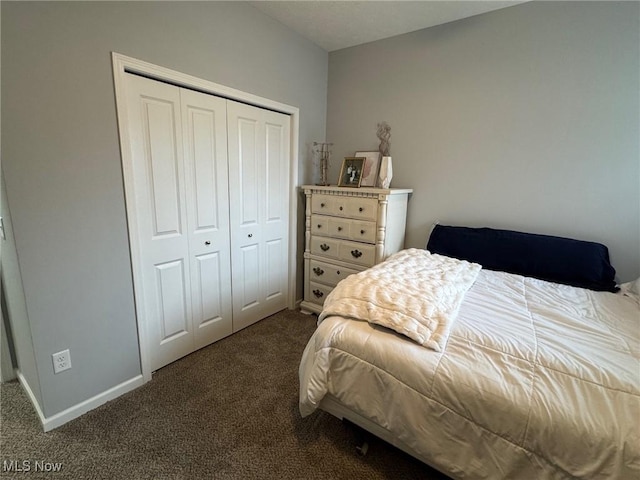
pixel 532 378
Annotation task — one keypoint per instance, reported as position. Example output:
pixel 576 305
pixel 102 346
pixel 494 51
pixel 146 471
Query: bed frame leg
pixel 361 437
pixel 362 449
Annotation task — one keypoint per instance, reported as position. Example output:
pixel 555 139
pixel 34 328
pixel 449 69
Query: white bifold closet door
pixel 213 244
pixel 259 201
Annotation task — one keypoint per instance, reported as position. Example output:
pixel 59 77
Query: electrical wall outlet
pixel 61 361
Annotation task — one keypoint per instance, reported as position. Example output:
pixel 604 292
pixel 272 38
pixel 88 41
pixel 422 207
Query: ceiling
pixel 333 25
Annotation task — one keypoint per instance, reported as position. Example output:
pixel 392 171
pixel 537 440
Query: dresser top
pixel 361 190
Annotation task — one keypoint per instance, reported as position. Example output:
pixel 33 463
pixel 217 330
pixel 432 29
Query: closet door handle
pixel 356 253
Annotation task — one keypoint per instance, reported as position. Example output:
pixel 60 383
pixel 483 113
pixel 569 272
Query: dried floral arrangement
pixel 384 134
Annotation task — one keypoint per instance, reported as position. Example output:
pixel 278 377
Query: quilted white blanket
pixel 414 292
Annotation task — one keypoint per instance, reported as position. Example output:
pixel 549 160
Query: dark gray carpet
pixel 228 411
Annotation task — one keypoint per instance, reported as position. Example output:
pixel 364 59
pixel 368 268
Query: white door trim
pixel 123 64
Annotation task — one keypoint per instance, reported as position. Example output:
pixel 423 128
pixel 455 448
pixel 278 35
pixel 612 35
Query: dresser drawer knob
pixel 360 209
pixel 356 253
pixel 339 229
pixel 340 208
pixel 324 247
pixel 337 272
pixel 322 205
pixel 361 232
pixel 318 293
pixel 318 271
pixel 319 225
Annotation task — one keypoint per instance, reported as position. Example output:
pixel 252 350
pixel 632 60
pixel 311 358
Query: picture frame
pixel 370 169
pixel 351 172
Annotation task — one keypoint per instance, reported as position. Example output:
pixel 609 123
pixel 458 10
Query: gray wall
pixel 15 307
pixel 62 162
pixel 524 118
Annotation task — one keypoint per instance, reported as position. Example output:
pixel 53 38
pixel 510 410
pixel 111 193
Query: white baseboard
pixel 69 414
pixel 59 419
pixel 32 397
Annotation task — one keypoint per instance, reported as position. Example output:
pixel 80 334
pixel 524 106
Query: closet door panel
pixel 205 152
pixel 246 191
pixel 276 227
pixel 275 182
pixel 161 211
pixel 248 292
pixel 248 169
pixel 209 278
pixel 212 318
pixel 274 273
pixel 258 187
pixel 201 153
pixel 171 288
pixel 161 154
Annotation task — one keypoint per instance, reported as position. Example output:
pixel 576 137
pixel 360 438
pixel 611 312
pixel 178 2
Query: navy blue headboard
pixel 556 259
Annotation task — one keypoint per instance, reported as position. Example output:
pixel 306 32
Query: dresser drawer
pixel 318 292
pixel 326 247
pixel 340 227
pixel 363 231
pixel 356 207
pixel 345 228
pixel 328 274
pixel 323 204
pixel 349 207
pixel 359 253
pixel 320 225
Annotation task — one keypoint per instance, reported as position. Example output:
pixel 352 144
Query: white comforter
pixel 537 380
pixel 413 292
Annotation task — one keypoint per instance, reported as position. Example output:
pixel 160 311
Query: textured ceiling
pixel 334 25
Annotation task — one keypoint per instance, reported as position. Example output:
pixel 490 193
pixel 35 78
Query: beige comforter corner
pixel 414 292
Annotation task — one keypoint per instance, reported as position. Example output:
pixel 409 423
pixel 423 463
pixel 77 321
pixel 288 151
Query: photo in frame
pixel 351 172
pixel 370 169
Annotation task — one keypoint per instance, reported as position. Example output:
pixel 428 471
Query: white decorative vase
pixel 386 172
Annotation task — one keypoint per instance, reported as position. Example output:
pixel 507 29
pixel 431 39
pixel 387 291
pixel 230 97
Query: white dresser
pixel 348 230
